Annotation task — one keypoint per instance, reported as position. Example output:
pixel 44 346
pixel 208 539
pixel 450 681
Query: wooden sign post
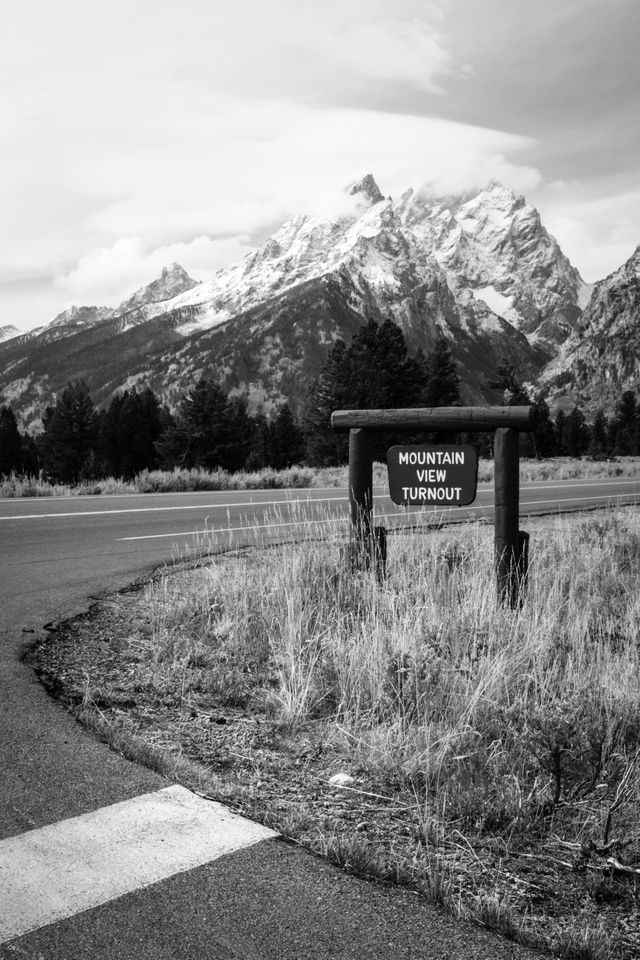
pixel 511 544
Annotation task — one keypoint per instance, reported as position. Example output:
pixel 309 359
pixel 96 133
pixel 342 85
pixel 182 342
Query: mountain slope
pixel 602 357
pixel 481 271
pixel 8 332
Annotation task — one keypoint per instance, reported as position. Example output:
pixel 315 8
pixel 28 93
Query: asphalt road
pixel 268 901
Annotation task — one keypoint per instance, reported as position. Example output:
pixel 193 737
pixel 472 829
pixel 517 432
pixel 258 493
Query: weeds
pixel 426 667
pixel 182 481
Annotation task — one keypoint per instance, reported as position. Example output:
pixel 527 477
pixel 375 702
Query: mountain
pixel 171 283
pixel 494 247
pixel 73 320
pixel 479 270
pixel 8 332
pixel 601 358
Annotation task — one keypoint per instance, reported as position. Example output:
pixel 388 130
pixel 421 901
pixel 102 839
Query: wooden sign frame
pixel 511 545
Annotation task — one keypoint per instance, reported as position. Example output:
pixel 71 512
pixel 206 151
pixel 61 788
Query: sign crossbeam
pixel 461 419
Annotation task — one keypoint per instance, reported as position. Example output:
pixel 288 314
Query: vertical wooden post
pixel 507 506
pixel 360 484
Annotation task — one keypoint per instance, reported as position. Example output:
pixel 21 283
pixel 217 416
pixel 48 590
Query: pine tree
pixel 111 437
pixel 10 443
pixel 442 388
pixel 625 425
pixel 287 439
pixel 374 372
pixel 560 428
pixel 330 392
pixel 210 430
pixel 544 435
pixel 576 434
pixel 142 427
pixel 260 452
pixel 511 393
pixel 129 430
pixel 599 445
pixel 238 434
pixel 70 436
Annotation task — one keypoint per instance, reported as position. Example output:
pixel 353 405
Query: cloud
pixel 409 51
pixel 248 168
pixel 110 274
pixel 130 141
pixel 258 162
pixel 597 233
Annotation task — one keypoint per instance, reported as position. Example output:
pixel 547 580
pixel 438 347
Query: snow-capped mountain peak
pixel 479 269
pixel 173 281
pixel 490 249
pixel 8 332
pixel 75 318
pixel 367 187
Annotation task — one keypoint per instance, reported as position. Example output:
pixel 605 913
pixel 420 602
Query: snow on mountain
pixel 8 332
pixel 492 246
pixel 173 281
pixel 72 320
pixel 480 270
pixel 495 245
pixel 497 302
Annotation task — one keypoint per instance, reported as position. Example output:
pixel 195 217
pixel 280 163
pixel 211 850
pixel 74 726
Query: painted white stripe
pixel 62 869
pixel 613 498
pixel 199 506
pixel 547 485
pixel 563 484
pixel 81 497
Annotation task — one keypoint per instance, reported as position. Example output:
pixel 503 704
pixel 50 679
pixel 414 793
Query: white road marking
pixel 57 871
pixel 167 493
pixel 200 506
pixel 529 485
pixel 562 484
pixel 386 516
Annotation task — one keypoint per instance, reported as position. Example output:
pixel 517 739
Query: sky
pixel 137 134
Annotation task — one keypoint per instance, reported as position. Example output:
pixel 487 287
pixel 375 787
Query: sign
pixel 445 475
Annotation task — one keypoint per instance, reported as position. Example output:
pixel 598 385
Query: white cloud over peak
pixel 124 130
pixel 253 183
pixel 283 159
pixel 109 275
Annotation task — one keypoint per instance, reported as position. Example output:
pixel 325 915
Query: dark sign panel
pixel 433 476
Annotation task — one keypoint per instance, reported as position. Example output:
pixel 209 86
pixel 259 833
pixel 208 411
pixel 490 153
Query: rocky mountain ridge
pixel 8 331
pixel 480 270
pixel 601 357
pixel 491 250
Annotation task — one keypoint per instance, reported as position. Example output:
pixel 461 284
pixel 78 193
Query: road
pixel 265 899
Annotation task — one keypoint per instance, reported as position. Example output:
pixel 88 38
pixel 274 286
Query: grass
pixel 495 754
pixel 178 481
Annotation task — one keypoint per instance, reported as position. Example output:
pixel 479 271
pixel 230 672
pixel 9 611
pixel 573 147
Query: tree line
pixel 136 433
pixel 211 429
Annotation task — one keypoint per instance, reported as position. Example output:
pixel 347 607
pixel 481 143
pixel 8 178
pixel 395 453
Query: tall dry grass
pixel 179 480
pixel 495 718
